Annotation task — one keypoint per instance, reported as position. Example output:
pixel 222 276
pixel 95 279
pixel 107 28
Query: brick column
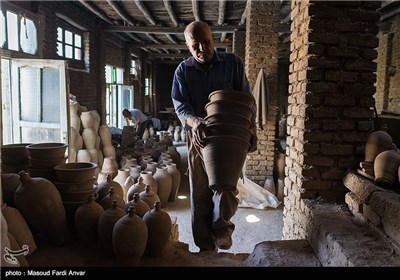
pixel 262 28
pixel 330 100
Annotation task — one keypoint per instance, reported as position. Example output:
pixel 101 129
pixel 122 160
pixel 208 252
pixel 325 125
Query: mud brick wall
pixel 332 76
pixel 387 96
pixel 262 53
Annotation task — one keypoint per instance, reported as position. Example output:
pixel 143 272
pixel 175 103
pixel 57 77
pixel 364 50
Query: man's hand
pixel 197 124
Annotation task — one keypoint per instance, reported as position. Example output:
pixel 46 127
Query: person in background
pixel 135 117
pixel 194 79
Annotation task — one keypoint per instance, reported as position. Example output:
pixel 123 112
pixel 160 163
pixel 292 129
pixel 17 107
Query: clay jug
pixel 104 187
pixel 74 117
pixel 138 187
pixel 109 152
pixel 164 183
pixel 149 180
pixel 96 120
pixel 18 227
pixel 158 224
pixel 151 166
pixel 135 171
pixel 86 221
pixel 107 221
pixel 149 196
pixel 40 202
pixel 183 135
pixel 105 135
pixel 129 162
pixel 140 206
pixel 83 155
pixel 87 119
pixel 121 177
pixel 177 134
pixel 89 138
pixel 377 142
pixel 129 239
pixel 110 166
pixel 107 201
pixel 386 166
pixel 176 181
pixel 78 142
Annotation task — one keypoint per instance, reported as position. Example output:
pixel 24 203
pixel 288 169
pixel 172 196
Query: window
pixel 69 44
pixel 133 70
pixel 118 96
pixel 18 32
pixel 146 86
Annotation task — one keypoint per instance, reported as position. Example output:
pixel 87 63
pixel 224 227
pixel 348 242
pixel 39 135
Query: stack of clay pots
pixel 227 136
pixel 14 158
pixel 75 183
pixel 44 156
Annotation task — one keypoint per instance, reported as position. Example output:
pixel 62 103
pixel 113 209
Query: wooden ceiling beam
pixel 142 7
pixel 120 12
pixel 96 12
pixel 196 12
pixel 171 13
pixel 169 30
pixel 221 11
pixel 244 15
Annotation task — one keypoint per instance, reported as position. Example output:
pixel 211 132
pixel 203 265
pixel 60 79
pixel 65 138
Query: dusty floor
pixel 252 226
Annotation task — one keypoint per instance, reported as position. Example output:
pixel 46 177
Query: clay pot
pixel 15 150
pixel 40 163
pixel 138 187
pixel 140 206
pixel 96 120
pixel 75 171
pixel 230 107
pixel 224 157
pixel 135 171
pixel 149 196
pixel 107 222
pixel 9 183
pixel 217 129
pixel 40 203
pixel 89 138
pixel 386 166
pixel 159 229
pixel 86 221
pixel 149 180
pixel 176 180
pixel 87 119
pixel 129 239
pixel 233 95
pixel 47 150
pixel 105 135
pixel 83 155
pixel 18 227
pixel 377 142
pixel 74 117
pixel 164 183
pixel 231 118
pixel 107 201
pixel 103 188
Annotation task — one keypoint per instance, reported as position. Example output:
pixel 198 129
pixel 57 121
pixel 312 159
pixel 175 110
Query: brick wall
pixel 330 97
pixel 262 53
pixel 239 44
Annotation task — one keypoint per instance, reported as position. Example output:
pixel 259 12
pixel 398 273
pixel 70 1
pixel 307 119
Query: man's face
pixel 200 43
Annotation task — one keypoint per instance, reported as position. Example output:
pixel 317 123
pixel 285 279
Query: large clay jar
pixel 149 180
pixel 89 138
pixel 121 178
pixel 151 166
pixel 377 142
pixel 140 206
pixel 107 221
pixel 149 196
pixel 135 171
pixel 96 120
pixel 386 166
pixel 86 221
pixel 129 239
pixel 159 230
pixel 109 152
pixel 164 182
pixel 40 202
pixel 74 117
pixel 18 227
pixel 176 181
pixel 138 187
pixel 110 166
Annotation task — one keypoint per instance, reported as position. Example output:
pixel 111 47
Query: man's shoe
pixel 223 242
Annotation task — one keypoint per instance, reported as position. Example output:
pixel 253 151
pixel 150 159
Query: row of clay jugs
pixel 86 221
pixel 104 187
pixel 129 239
pixel 159 229
pixel 40 202
pixel 149 196
pixel 107 201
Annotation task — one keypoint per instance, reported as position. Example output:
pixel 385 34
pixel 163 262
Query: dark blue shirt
pixel 192 84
